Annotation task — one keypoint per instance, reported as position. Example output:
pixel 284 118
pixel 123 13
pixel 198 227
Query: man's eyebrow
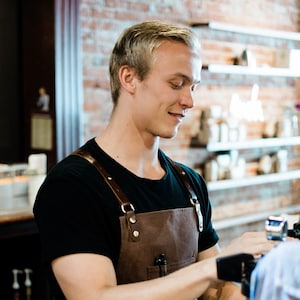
pixel 185 77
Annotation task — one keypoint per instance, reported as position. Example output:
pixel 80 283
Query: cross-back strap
pixel 126 206
pixel 193 197
pixel 122 198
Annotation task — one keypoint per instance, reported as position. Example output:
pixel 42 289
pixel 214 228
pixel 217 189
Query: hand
pixel 254 243
pixel 223 291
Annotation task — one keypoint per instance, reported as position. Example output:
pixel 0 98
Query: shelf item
pixel 279 34
pixel 255 143
pixel 252 180
pixel 258 71
pixel 256 217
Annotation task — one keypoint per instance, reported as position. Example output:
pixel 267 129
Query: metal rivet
pixel 132 220
pixel 136 233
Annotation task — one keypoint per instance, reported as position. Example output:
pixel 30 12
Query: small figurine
pixel 44 99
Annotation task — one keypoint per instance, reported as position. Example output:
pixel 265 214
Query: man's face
pixel 164 97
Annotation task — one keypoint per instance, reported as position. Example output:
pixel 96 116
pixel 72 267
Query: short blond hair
pixel 136 44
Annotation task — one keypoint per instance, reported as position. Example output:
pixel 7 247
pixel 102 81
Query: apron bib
pixel 172 233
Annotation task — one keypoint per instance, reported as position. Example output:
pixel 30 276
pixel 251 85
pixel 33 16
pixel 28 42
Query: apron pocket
pixel 154 271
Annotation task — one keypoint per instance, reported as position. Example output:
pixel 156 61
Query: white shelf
pixel 257 143
pixel 260 216
pixel 252 180
pixel 279 34
pixel 258 71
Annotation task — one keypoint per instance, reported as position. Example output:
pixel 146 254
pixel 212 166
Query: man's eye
pixel 176 86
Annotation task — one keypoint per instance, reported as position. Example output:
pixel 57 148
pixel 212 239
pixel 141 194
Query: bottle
pixel 297 109
pixel 295 122
pixel 288 125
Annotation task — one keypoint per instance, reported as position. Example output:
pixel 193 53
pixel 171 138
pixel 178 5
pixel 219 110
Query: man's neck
pixel 131 151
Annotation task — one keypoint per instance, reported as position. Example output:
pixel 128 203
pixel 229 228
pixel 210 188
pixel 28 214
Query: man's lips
pixel 179 115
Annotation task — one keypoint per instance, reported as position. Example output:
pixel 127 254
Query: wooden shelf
pixel 15 214
pixel 252 180
pixel 258 71
pixel 251 144
pixel 256 217
pixel 279 34
pixel 17 223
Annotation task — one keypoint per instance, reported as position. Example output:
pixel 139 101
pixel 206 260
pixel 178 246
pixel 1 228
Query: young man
pixel 118 219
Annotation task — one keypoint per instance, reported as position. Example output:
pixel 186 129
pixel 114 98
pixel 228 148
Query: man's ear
pixel 127 78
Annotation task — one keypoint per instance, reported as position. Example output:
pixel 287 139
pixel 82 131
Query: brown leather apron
pixel 154 243
pixel 170 232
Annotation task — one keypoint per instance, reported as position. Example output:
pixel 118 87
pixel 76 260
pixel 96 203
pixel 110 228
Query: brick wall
pixel 103 20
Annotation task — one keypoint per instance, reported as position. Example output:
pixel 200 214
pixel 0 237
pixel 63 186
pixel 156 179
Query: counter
pixel 17 222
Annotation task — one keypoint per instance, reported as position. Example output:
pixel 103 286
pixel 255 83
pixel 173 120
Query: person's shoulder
pixel 72 165
pixel 192 173
pixel 187 169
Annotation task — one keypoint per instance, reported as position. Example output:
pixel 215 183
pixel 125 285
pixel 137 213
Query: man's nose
pixel 186 99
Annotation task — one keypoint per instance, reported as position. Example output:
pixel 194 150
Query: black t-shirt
pixel 76 211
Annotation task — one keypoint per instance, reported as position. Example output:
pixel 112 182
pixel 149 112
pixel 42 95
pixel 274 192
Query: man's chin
pixel 169 135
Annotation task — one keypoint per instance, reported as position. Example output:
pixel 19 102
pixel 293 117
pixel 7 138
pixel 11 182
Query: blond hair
pixel 136 44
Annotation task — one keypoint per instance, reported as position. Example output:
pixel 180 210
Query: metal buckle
pixel 197 206
pixel 126 207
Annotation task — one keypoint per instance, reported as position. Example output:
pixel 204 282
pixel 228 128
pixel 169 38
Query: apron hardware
pixel 161 261
pixel 128 209
pixel 190 190
pixel 136 233
pixel 197 206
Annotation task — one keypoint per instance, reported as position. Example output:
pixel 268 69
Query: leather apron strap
pixel 193 197
pixel 126 206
